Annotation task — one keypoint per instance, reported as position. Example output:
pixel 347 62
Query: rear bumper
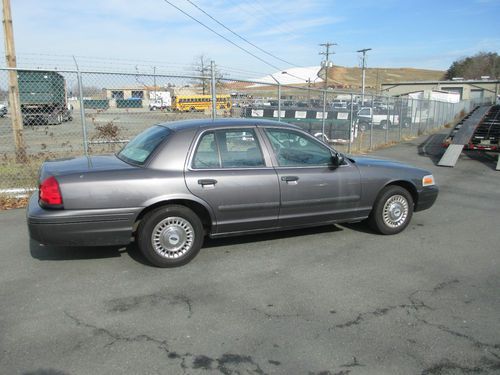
pixel 426 198
pixel 101 227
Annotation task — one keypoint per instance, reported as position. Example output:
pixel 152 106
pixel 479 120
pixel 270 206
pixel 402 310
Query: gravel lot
pixel 67 137
pixel 331 300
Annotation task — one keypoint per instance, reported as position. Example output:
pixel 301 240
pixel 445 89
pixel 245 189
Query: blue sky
pixel 420 34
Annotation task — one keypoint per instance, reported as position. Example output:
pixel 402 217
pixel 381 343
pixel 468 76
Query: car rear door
pixel 231 171
pixel 312 191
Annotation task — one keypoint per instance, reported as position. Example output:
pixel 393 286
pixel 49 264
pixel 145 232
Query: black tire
pixel 381 218
pixel 171 218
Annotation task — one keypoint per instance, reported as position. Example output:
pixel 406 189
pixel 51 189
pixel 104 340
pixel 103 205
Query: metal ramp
pixel 461 135
pixel 450 157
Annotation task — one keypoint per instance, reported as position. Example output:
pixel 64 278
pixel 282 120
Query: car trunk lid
pixel 61 167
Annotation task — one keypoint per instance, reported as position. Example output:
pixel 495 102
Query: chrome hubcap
pixel 172 237
pixel 395 211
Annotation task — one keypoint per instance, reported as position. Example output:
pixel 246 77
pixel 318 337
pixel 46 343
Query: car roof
pixel 226 122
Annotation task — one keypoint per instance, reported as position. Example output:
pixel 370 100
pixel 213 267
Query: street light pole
pixel 279 95
pixel 363 73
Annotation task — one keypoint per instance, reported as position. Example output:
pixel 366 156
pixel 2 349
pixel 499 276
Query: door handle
pixel 207 181
pixel 289 178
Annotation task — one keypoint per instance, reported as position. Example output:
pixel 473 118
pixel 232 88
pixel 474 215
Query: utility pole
pixel 363 73
pixel 15 105
pixel 327 62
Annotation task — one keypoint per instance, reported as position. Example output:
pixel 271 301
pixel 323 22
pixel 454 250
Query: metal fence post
pixel 400 118
pixel 371 123
pixel 213 90
pixel 351 134
pixel 420 101
pixel 388 121
pixel 413 116
pixel 82 109
pixel 323 117
pixel 279 101
pixel 434 107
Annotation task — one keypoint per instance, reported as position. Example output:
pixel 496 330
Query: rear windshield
pixel 142 146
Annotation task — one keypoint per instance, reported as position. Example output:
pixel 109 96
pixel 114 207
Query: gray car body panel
pixel 104 197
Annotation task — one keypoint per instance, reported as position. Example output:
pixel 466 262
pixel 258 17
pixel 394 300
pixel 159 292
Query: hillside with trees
pixel 474 67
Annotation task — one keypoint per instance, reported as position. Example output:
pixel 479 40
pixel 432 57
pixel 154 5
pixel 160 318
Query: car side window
pixel 239 149
pixel 231 148
pixel 293 149
pixel 206 155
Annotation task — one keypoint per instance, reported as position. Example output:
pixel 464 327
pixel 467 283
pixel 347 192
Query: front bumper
pixel 101 227
pixel 426 198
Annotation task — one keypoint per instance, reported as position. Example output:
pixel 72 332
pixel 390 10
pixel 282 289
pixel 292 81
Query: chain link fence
pixel 71 113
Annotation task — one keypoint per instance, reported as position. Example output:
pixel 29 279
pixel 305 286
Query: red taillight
pixel 49 192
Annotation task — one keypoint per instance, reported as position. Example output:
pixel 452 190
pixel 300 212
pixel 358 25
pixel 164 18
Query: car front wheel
pixel 170 236
pixel 392 211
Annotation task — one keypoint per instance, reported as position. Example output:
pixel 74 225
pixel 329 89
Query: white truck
pixel 381 117
pixel 160 100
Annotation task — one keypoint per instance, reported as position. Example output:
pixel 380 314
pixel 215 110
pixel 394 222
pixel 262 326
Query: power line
pixel 239 36
pixel 222 36
pixel 280 26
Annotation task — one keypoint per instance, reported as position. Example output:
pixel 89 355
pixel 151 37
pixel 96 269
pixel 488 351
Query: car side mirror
pixel 337 159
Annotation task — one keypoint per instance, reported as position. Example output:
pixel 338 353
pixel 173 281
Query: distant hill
pixel 350 77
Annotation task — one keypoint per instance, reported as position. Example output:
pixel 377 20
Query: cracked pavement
pixel 335 300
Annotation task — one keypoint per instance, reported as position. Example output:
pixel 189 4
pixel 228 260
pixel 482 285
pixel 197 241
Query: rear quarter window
pixel 139 149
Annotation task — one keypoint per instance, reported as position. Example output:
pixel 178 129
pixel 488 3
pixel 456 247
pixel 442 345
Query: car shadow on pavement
pixel 58 253
pixel 360 226
pixel 270 236
pixel 55 253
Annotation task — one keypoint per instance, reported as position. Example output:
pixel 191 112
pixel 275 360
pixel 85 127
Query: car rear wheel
pixel 392 211
pixel 170 236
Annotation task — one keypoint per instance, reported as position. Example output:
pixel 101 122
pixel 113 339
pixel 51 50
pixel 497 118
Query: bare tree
pixel 201 66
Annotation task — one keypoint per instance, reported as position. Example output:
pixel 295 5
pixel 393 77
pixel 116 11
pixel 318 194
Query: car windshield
pixel 142 146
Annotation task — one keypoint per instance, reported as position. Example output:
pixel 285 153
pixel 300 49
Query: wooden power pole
pixel 15 105
pixel 327 62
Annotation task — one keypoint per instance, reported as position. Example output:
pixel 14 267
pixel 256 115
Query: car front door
pixel 229 170
pixel 312 190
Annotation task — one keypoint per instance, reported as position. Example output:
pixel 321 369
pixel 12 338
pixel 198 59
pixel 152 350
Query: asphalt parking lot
pixel 331 300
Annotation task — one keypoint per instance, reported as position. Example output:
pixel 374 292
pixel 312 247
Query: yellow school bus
pixel 186 103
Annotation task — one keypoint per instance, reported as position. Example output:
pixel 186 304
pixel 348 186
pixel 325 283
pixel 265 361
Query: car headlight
pixel 428 180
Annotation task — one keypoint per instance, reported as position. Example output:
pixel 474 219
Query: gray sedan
pixel 177 182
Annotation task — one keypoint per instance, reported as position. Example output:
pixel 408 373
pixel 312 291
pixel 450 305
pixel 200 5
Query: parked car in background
pixel 381 117
pixel 177 182
pixel 339 105
pixel 160 105
pixel 3 110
